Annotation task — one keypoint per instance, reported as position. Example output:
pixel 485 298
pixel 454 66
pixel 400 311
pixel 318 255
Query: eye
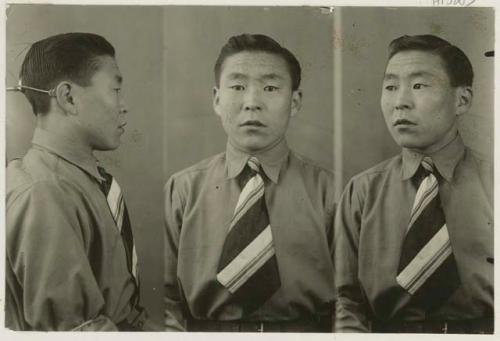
pixel 390 87
pixel 418 86
pixel 237 87
pixel 270 88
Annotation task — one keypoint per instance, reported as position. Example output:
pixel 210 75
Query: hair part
pixel 258 43
pixel 457 65
pixel 68 56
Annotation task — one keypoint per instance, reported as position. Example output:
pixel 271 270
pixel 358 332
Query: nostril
pixel 252 107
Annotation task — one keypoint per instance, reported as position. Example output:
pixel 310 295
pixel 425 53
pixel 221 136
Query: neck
pixel 257 151
pixel 60 125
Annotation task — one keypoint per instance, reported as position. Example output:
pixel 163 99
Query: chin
pixel 108 146
pixel 412 145
pixel 252 148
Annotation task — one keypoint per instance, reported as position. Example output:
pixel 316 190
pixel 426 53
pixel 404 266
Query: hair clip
pixel 21 88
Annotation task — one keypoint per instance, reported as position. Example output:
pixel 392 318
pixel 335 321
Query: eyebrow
pixel 268 76
pixel 236 75
pixel 272 76
pixel 391 76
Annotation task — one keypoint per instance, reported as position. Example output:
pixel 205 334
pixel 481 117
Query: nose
pixel 123 107
pixel 404 99
pixel 251 101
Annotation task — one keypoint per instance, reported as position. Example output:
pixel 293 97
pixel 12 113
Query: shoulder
pixel 483 165
pixel 46 192
pixel 482 159
pixel 374 179
pixel 310 167
pixel 200 168
pixel 197 173
pixel 379 170
pixel 37 179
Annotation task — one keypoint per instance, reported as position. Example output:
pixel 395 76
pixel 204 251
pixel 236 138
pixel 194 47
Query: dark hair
pixel 68 56
pixel 457 65
pixel 258 43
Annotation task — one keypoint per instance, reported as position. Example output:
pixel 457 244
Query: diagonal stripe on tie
pixel 118 209
pixel 428 224
pixel 240 235
pixel 248 256
pixel 427 268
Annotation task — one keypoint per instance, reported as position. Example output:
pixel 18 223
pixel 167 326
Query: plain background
pixel 166 55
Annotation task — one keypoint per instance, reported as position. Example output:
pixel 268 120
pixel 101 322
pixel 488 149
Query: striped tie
pixel 248 267
pixel 118 209
pixel 427 268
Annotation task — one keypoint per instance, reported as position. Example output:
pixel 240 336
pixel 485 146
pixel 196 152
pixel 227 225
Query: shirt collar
pixel 271 160
pixel 445 160
pixel 67 150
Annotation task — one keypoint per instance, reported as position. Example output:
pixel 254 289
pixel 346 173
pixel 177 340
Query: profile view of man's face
pixel 101 107
pixel 255 100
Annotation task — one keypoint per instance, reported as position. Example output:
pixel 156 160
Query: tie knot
pixel 108 179
pixel 254 164
pixel 428 164
pixel 102 171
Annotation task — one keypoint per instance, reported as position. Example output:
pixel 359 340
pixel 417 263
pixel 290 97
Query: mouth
pixel 252 123
pixel 403 122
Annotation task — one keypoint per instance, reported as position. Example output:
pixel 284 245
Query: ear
pixel 64 93
pixel 296 102
pixel 464 96
pixel 215 100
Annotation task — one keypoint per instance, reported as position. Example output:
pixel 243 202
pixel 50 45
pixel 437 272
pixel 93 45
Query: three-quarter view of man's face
pixel 418 102
pixel 255 100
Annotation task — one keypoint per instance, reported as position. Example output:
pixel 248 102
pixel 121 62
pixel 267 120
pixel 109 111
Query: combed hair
pixel 67 56
pixel 258 43
pixel 457 65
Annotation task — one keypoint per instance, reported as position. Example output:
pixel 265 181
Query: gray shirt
pixel 371 221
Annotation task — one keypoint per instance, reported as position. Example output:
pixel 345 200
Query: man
pixel 414 234
pixel 71 262
pixel 249 231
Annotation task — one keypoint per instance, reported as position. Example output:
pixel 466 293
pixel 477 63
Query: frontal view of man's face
pixel 418 102
pixel 255 100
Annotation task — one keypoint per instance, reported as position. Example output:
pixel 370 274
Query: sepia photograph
pixel 249 169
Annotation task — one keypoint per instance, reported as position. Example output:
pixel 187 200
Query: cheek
pixel 385 105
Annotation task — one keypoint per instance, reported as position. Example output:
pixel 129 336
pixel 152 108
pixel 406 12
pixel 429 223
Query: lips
pixel 252 123
pixel 403 122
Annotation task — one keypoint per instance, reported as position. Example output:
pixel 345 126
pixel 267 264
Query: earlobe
pixel 296 102
pixel 464 99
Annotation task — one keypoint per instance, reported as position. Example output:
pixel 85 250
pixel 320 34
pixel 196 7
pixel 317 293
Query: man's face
pixel 100 106
pixel 255 100
pixel 418 102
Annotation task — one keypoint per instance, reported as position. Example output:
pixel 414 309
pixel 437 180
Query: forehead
pixel 256 64
pixel 107 70
pixel 416 63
